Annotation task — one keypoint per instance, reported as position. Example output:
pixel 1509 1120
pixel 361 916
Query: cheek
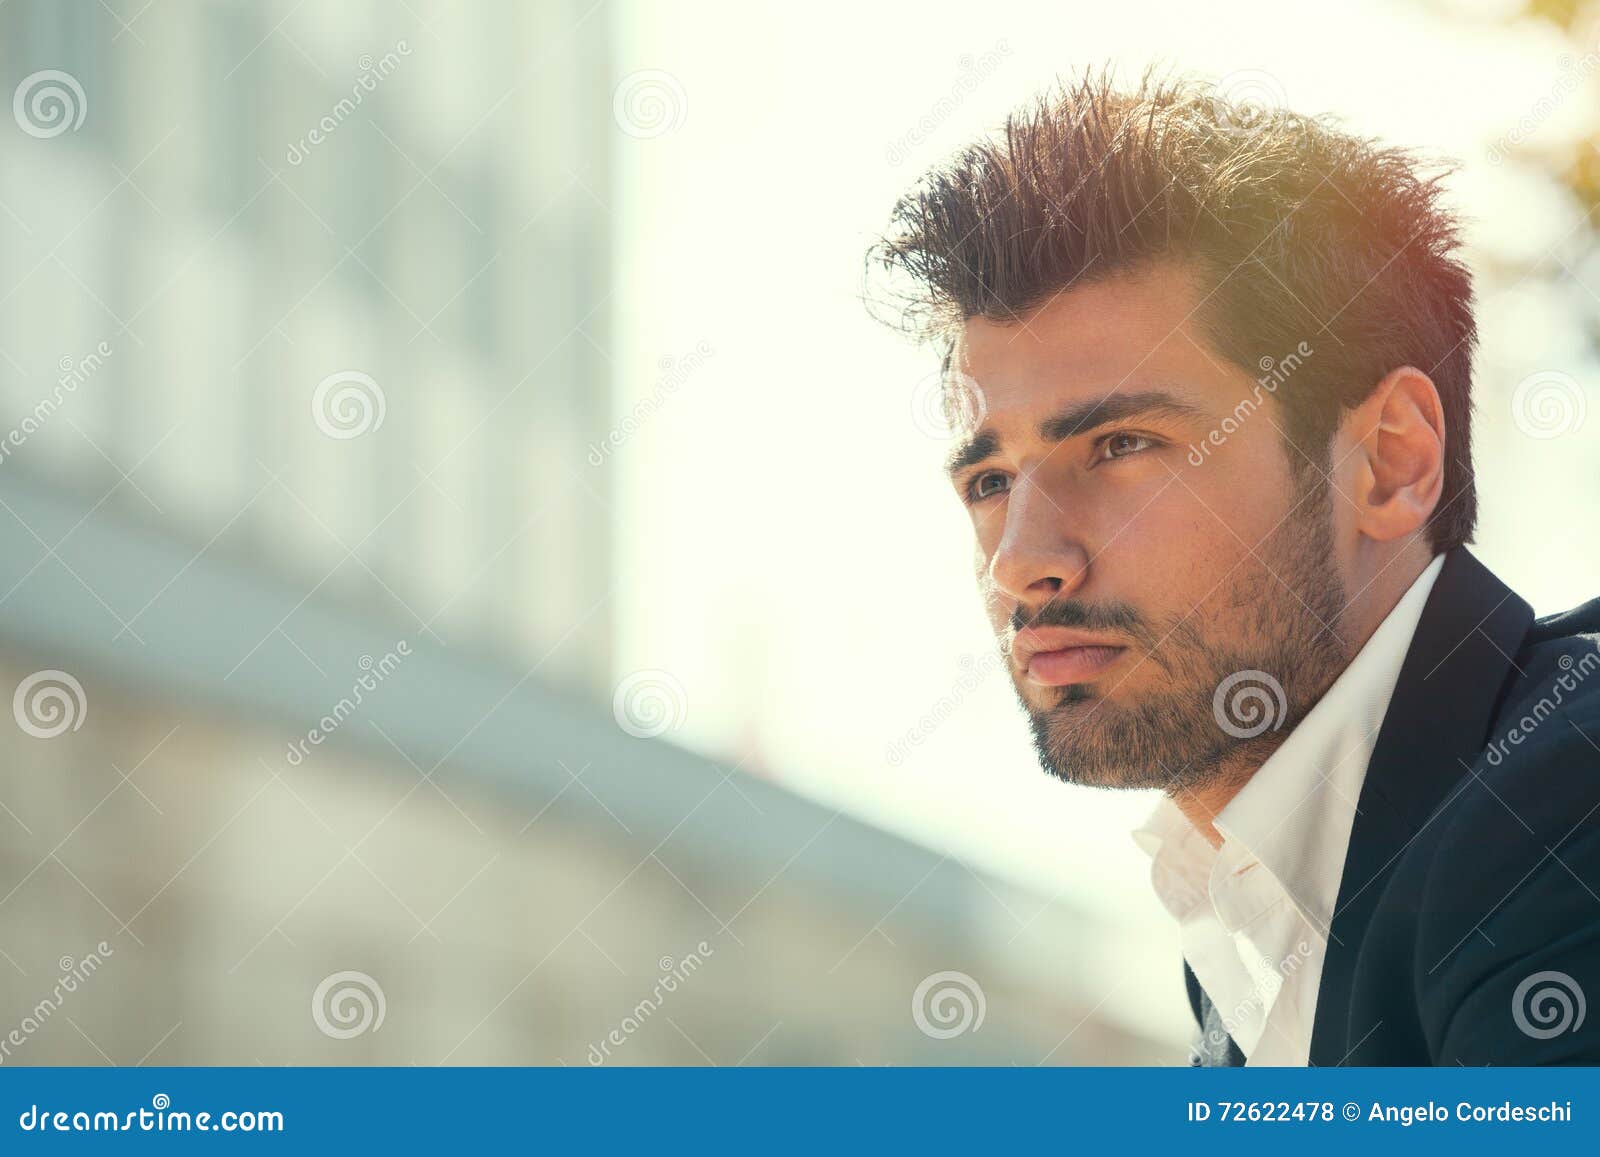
pixel 988 526
pixel 980 573
pixel 1173 547
pixel 994 607
pixel 1242 493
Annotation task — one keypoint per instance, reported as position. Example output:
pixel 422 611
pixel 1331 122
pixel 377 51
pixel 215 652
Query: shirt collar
pixel 1295 814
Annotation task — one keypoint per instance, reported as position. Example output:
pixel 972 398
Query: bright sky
pixel 789 549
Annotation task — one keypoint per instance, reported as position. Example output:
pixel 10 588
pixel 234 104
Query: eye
pixel 1124 444
pixel 987 485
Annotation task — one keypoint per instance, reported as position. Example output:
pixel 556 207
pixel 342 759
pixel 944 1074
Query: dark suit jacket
pixel 1467 929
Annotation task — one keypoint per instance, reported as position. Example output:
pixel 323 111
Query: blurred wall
pixel 304 607
pixel 330 287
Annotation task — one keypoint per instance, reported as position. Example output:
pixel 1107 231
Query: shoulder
pixel 1506 879
pixel 1537 776
pixel 1551 707
pixel 1535 788
pixel 1580 621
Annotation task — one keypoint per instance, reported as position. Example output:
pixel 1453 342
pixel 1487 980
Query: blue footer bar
pixel 795 1110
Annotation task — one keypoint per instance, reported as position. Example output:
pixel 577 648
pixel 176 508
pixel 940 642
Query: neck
pixel 1376 586
pixel 1202 803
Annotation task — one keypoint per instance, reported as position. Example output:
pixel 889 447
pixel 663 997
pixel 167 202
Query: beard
pixel 1232 688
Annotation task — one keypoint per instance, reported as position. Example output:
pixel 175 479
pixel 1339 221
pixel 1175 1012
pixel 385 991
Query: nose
pixel 1038 558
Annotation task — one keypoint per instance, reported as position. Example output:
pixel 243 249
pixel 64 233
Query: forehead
pixel 1117 335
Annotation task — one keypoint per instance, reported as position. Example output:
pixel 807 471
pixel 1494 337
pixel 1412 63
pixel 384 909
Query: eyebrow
pixel 1081 418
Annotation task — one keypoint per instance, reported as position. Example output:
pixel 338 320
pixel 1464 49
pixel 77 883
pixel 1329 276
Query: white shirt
pixel 1253 915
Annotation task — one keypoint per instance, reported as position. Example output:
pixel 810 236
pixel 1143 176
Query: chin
pixel 1078 742
pixel 1095 773
pixel 1094 742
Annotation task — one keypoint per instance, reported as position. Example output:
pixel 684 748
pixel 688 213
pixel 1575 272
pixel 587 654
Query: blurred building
pixel 304 595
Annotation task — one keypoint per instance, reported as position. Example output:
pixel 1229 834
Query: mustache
pixel 1110 617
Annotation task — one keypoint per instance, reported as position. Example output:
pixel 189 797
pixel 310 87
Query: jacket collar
pixel 1440 715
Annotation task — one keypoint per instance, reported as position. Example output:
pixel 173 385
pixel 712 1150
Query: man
pixel 1212 370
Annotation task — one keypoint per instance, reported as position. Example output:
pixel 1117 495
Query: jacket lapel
pixel 1443 706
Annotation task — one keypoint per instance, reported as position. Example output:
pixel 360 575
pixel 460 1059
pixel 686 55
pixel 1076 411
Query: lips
pixel 1071 665
pixel 1059 656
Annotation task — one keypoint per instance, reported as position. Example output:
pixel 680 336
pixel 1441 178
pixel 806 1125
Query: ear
pixel 1393 445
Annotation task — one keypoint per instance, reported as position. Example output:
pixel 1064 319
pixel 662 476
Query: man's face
pixel 1162 580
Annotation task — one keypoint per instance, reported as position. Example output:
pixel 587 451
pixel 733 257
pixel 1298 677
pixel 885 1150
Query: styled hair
pixel 1298 232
